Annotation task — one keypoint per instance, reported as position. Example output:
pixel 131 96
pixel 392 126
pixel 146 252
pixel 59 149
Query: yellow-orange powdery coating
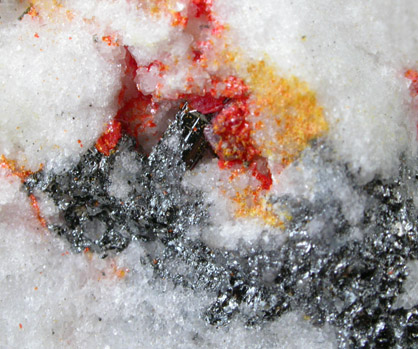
pixel 289 110
pixel 289 119
pixel 251 204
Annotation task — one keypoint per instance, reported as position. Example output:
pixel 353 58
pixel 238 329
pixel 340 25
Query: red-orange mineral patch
pixel 110 138
pixel 412 75
pixel 22 174
pixel 265 131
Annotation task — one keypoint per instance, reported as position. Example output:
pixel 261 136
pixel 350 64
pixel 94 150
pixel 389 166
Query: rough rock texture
pixel 155 203
pixel 333 278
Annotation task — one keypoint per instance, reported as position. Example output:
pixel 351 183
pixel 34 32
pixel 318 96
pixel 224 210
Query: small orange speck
pixel 111 40
pixel 412 75
pixel 70 38
pixel 217 31
pixel 120 273
pixel 36 288
pixel 70 15
pixel 179 20
pixel 32 12
pixel 36 35
pixel 20 326
pixel 79 142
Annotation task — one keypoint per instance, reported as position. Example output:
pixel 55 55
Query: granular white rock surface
pixel 409 297
pixel 57 92
pixel 59 88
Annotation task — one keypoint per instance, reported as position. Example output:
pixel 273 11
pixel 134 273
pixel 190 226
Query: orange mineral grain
pixel 110 138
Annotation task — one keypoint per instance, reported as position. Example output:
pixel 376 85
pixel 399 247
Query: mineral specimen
pixel 301 233
pixel 351 284
pixel 155 203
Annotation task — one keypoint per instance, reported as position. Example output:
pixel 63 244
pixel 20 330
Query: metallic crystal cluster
pixel 349 283
pixel 157 204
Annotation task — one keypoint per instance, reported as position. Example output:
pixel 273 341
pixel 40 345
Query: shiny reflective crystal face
pixel 215 171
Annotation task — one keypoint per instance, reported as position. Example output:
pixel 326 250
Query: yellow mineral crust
pixel 289 113
pixel 286 117
pixel 252 204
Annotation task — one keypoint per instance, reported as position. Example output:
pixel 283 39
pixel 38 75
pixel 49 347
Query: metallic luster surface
pixel 349 283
